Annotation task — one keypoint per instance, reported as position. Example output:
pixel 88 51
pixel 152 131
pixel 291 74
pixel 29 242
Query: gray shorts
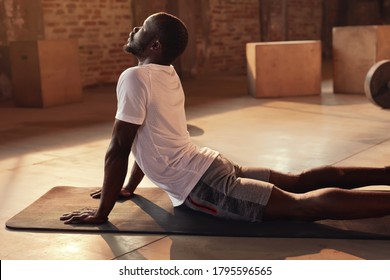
pixel 230 191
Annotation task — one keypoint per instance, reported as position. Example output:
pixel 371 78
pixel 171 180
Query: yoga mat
pixel 150 212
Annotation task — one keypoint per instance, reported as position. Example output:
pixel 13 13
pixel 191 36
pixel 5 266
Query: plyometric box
pixel 355 50
pixel 45 72
pixel 280 69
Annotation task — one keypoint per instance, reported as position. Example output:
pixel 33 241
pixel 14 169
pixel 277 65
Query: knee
pixel 314 205
pixel 289 206
pixel 318 177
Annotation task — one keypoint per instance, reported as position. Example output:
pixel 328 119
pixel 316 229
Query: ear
pixel 156 45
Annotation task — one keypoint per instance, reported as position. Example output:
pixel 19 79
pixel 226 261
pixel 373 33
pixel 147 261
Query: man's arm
pixel 115 169
pixel 135 178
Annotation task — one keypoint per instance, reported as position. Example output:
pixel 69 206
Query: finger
pixel 86 212
pixel 96 191
pixel 72 220
pixel 96 194
pixel 65 217
pixel 80 212
pixel 69 215
pixel 77 219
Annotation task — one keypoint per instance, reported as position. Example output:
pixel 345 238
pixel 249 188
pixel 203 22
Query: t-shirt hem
pixel 176 201
pixel 129 119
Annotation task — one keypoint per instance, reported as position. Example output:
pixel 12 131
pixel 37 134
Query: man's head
pixel 161 39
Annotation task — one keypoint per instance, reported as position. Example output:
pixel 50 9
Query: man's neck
pixel 153 61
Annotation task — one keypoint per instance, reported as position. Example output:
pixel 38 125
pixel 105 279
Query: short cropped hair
pixel 173 35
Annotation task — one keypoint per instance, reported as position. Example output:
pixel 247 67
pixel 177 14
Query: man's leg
pixel 327 203
pixel 324 177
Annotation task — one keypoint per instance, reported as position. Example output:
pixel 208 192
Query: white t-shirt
pixel 152 96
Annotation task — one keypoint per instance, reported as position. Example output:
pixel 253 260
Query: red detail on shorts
pixel 203 207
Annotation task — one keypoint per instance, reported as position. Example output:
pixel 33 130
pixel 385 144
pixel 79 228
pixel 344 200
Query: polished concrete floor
pixel 65 145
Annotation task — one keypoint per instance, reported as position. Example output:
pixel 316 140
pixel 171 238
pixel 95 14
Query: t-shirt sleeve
pixel 131 97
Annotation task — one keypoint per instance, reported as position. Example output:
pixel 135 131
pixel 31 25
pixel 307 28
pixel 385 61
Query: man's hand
pixel 124 194
pixel 83 216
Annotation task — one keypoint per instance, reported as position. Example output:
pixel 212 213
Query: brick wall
pixel 20 20
pixel 101 28
pixel 304 19
pixel 219 28
pixel 291 19
pixel 221 42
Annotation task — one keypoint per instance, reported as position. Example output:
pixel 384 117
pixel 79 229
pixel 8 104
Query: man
pixel 150 122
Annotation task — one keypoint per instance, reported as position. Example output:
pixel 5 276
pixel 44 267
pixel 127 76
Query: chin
pixel 127 48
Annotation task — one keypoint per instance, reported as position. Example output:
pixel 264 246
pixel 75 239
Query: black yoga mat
pixel 150 212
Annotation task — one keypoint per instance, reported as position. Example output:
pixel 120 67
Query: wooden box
pixel 45 73
pixel 355 50
pixel 280 69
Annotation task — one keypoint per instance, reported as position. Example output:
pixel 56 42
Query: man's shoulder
pixel 134 72
pixel 135 76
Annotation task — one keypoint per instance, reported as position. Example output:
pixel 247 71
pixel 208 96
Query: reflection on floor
pixel 42 148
